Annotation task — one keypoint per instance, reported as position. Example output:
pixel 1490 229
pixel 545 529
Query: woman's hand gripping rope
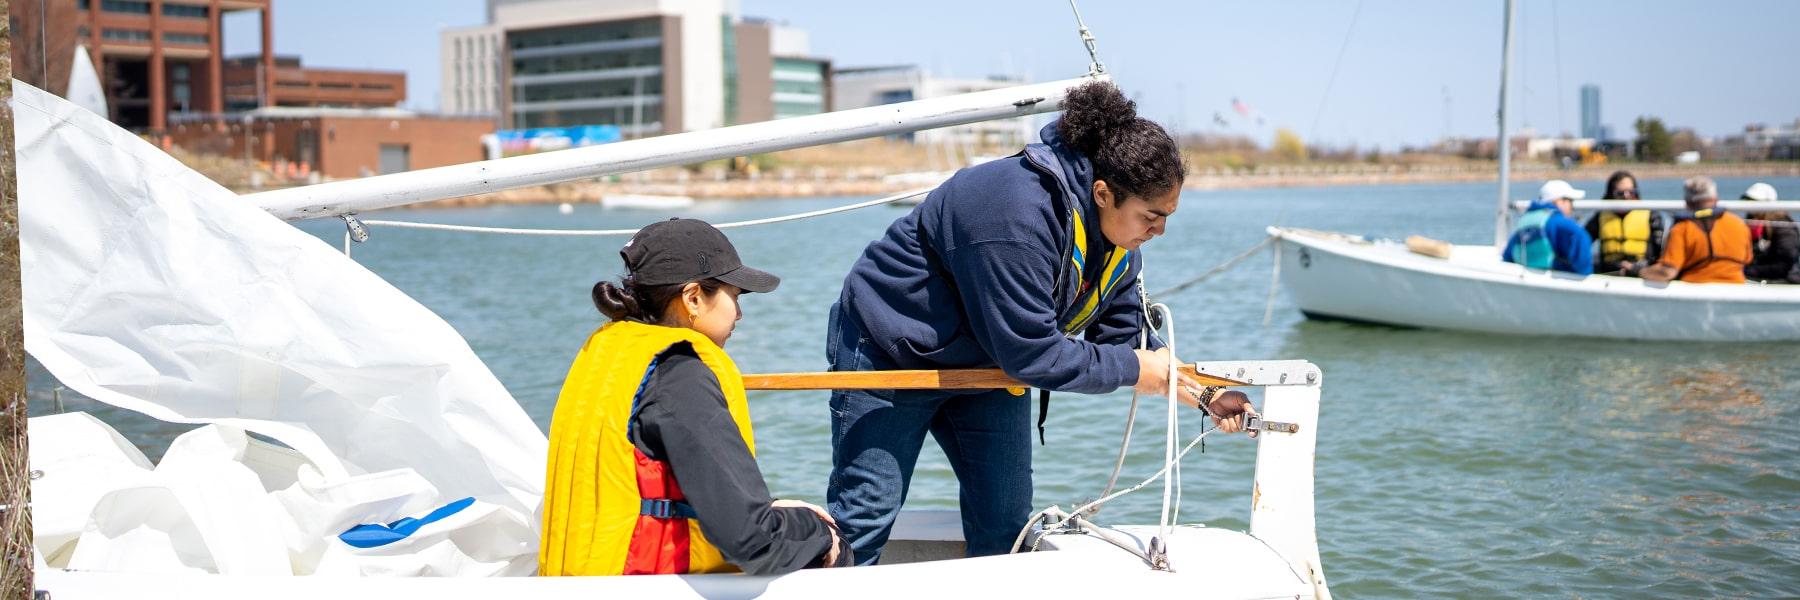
pixel 1228 408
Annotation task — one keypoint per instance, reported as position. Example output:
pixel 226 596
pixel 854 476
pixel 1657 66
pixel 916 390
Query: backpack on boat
pixel 1531 242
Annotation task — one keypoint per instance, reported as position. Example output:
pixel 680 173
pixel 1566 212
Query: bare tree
pixel 15 466
pixel 43 45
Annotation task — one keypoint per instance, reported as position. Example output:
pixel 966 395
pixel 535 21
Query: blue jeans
pixel 876 436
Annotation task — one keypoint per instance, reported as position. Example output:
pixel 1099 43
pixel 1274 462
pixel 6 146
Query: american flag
pixel 1240 107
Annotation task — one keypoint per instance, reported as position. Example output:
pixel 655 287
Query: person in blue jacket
pixel 1546 237
pixel 1027 263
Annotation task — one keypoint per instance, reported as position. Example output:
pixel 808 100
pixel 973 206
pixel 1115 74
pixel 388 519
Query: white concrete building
pixel 646 66
pixel 471 70
pixel 873 86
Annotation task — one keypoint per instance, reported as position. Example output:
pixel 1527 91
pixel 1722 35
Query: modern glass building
pixel 605 73
pixel 1590 113
pixel 645 66
pixel 799 86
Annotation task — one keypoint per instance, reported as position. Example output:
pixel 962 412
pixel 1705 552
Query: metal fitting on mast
pixel 1087 39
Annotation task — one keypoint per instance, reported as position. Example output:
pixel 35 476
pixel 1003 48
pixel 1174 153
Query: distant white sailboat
pixel 85 89
pixel 645 201
pixel 1333 276
pixel 1347 277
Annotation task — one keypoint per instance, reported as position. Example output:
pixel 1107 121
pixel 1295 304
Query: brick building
pixel 245 88
pixel 163 74
pixel 337 142
pixel 161 58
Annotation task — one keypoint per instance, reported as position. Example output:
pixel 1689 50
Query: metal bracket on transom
pixel 1263 372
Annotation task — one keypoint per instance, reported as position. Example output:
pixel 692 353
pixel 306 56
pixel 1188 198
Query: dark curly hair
pixel 1133 155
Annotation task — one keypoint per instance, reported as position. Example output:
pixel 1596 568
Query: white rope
pixel 1172 438
pixel 623 232
pixel 1085 508
pixel 1771 223
pixel 1130 414
pixel 1274 286
pixel 1051 510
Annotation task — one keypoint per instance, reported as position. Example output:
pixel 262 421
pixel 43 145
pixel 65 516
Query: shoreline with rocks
pixel 679 183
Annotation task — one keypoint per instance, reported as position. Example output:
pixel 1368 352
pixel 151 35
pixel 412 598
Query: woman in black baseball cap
pixel 652 467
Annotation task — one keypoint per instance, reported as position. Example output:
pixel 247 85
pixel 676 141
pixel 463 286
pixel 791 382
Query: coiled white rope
pixel 624 232
pixel 1092 506
pixel 1170 473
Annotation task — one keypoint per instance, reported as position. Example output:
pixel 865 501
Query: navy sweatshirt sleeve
pixel 682 419
pixel 1003 286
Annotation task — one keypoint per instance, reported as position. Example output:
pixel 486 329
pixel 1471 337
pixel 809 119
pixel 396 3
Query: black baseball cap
pixel 683 250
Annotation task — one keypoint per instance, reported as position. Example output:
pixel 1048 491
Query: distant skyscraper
pixel 1590 113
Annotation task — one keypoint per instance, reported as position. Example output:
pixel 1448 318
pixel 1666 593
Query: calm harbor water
pixel 1448 464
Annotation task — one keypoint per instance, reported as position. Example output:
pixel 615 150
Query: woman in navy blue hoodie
pixel 1026 263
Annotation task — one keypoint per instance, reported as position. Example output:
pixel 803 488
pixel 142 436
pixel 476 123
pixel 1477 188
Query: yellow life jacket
pixel 1624 238
pixel 1087 298
pixel 1118 261
pixel 593 504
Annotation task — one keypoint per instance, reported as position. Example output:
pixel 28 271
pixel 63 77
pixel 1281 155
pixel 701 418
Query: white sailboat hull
pixel 374 409
pixel 1213 564
pixel 1335 276
pixel 645 201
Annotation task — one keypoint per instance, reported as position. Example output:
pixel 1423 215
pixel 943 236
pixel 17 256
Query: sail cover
pixel 151 288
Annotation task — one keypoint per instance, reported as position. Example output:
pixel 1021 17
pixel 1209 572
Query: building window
pixel 584 34
pixel 82 4
pixel 894 96
pixel 125 35
pixel 184 38
pixel 130 7
pixel 184 11
pixel 594 61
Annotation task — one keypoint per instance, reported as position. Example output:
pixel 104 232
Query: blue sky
pixel 1712 66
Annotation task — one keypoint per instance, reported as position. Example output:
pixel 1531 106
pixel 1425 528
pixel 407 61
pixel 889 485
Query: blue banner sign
pixel 544 139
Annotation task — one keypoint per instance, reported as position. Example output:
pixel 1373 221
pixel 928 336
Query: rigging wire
pixel 1556 49
pixel 1087 39
pixel 1312 134
pixel 624 232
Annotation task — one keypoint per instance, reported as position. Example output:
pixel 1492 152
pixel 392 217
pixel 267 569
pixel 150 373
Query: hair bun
pixel 615 301
pixel 1092 112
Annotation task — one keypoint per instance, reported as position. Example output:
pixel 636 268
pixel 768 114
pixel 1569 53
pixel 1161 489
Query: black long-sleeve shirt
pixel 682 419
pixel 1776 262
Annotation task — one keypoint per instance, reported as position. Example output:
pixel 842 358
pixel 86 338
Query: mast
pixel 1505 149
pixel 400 189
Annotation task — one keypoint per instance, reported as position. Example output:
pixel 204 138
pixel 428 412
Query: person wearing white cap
pixel 1775 239
pixel 1546 237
